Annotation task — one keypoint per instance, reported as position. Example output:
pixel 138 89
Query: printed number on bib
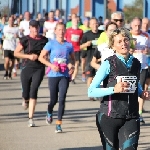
pixel 131 80
pixel 74 38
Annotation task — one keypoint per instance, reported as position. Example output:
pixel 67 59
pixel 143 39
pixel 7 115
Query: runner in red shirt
pixel 74 35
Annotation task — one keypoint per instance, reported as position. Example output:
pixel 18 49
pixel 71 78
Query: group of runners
pixel 114 62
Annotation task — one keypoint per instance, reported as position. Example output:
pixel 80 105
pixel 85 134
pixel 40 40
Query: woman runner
pixel 118 118
pixel 60 70
pixel 32 70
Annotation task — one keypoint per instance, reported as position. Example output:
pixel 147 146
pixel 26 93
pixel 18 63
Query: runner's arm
pixel 94 90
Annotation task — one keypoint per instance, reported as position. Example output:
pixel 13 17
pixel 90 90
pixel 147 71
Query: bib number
pixel 131 80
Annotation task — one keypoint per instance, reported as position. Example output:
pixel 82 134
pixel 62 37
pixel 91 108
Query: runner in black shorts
pixel 10 34
pixel 32 70
pixel 74 36
pixel 89 41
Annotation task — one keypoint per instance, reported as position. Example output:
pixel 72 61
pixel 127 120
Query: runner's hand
pixel 121 87
pixel 54 68
pixel 71 69
pixel 33 57
pixel 146 95
pixel 88 43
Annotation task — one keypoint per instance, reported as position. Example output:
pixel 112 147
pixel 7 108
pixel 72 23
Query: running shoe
pixel 49 118
pixel 5 77
pixel 31 123
pixel 73 81
pixel 25 105
pixel 10 77
pixel 142 122
pixel 83 77
pixel 58 128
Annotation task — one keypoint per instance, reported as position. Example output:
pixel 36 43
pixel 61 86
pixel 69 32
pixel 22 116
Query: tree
pixel 4 11
pixel 134 10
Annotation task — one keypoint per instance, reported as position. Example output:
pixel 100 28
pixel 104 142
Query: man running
pixel 74 36
pixel 49 26
pixel 85 27
pixel 140 52
pixel 89 41
pixel 10 34
pixel 24 25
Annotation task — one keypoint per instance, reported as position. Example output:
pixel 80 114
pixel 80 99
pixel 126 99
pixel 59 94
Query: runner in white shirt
pixel 140 52
pixel 9 45
pixel 49 26
pixel 24 25
pixel 144 28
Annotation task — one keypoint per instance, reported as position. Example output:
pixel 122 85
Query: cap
pixel 34 23
pixel 85 19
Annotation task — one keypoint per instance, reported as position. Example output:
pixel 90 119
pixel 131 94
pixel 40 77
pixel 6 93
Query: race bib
pixel 94 42
pixel 9 36
pixel 75 38
pixel 131 80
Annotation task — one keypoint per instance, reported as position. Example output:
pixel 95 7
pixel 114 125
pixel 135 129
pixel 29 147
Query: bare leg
pixel 83 62
pixel 32 104
pixel 75 70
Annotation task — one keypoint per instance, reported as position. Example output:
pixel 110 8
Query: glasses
pixel 116 20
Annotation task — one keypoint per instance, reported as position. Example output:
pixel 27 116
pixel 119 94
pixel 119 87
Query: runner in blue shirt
pixel 59 72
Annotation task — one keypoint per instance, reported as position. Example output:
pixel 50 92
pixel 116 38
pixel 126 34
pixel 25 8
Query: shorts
pixel 0 41
pixel 77 56
pixel 90 72
pixel 143 77
pixel 148 74
pixel 84 53
pixel 31 79
pixel 9 54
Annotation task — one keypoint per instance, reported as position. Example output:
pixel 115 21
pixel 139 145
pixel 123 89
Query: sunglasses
pixel 116 20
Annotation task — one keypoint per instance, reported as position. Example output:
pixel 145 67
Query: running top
pixel 105 51
pixel 10 39
pixel 104 39
pixel 33 46
pixel 25 26
pixel 104 70
pixel 69 24
pixel 74 36
pixel 84 28
pixel 142 42
pixel 50 26
pixel 58 51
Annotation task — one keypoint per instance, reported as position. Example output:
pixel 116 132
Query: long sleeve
pixel 94 90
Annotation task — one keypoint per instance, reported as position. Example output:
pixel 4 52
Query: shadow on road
pixel 84 148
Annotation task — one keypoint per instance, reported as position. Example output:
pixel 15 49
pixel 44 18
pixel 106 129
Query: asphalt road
pixel 79 128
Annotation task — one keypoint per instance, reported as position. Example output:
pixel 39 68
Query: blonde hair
pixel 59 24
pixel 123 31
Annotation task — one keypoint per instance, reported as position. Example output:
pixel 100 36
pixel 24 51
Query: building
pixel 81 7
